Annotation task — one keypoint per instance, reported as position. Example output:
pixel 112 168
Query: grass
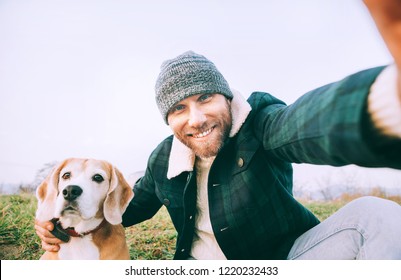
pixel 18 240
pixel 153 239
pixel 150 240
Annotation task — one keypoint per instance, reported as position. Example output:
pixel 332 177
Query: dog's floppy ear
pixel 119 195
pixel 46 193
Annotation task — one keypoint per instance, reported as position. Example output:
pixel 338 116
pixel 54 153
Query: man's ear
pixel 118 197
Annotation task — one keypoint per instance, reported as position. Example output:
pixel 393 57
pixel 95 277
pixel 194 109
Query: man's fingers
pixel 50 247
pixel 49 242
pixel 43 232
pixel 45 225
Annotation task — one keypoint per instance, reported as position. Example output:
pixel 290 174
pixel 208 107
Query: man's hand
pixel 49 242
pixel 387 16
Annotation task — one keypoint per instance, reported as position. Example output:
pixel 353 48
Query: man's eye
pixel 66 175
pixel 178 108
pixel 205 97
pixel 97 178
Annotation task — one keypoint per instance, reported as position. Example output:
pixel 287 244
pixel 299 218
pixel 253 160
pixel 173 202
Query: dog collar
pixel 65 234
pixel 71 231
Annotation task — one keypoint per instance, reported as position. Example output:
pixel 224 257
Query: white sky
pixel 77 77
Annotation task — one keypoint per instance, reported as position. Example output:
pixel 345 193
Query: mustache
pixel 197 130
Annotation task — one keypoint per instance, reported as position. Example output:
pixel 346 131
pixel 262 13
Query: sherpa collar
pixel 182 158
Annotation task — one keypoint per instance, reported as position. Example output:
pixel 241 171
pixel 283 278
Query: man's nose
pixel 196 117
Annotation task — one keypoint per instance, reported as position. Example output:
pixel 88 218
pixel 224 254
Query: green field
pixel 153 239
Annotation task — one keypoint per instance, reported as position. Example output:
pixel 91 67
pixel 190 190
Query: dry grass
pixel 152 239
pixel 378 192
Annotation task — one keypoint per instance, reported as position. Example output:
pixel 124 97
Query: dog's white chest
pixel 79 249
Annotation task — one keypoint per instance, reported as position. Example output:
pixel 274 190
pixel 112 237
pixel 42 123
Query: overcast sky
pixel 77 77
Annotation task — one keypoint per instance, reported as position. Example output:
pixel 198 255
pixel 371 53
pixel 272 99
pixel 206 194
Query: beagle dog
pixel 85 200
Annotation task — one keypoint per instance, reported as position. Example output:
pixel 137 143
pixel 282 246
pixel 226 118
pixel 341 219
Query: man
pixel 225 175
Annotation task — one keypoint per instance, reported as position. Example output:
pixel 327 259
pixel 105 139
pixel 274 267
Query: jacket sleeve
pixel 144 204
pixel 329 125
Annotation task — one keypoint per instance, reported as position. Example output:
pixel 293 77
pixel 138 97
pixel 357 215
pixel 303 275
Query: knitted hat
pixel 187 74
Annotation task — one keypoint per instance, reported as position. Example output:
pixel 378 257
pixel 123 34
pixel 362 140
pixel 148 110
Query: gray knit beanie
pixel 187 74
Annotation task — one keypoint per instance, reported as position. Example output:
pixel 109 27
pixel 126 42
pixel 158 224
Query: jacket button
pixel 166 202
pixel 240 162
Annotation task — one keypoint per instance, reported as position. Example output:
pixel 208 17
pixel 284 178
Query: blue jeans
pixel 366 228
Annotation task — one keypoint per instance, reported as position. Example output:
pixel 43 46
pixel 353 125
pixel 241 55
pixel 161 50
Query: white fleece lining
pixel 182 158
pixel 384 103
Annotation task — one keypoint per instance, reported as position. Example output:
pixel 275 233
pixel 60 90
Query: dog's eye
pixel 66 175
pixel 97 178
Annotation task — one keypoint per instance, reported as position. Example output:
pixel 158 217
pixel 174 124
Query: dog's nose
pixel 71 192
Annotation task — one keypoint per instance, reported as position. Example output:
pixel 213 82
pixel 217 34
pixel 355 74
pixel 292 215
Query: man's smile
pixel 203 134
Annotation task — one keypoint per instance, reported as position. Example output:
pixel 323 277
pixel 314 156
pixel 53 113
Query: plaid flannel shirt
pixel 252 209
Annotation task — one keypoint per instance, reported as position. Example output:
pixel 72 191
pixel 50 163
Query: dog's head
pixel 83 190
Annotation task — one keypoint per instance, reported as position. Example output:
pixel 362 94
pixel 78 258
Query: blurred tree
pixel 42 173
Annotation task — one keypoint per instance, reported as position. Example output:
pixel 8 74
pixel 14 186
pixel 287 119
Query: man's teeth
pixel 203 134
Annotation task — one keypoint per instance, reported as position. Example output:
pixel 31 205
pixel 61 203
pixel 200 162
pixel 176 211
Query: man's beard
pixel 210 148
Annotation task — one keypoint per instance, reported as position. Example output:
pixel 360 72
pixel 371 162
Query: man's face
pixel 202 122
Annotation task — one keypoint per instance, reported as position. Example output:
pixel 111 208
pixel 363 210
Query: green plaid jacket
pixel 252 209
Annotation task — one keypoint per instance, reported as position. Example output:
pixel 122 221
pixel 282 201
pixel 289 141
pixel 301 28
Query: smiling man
pixel 225 175
pixel 202 122
pixel 194 99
